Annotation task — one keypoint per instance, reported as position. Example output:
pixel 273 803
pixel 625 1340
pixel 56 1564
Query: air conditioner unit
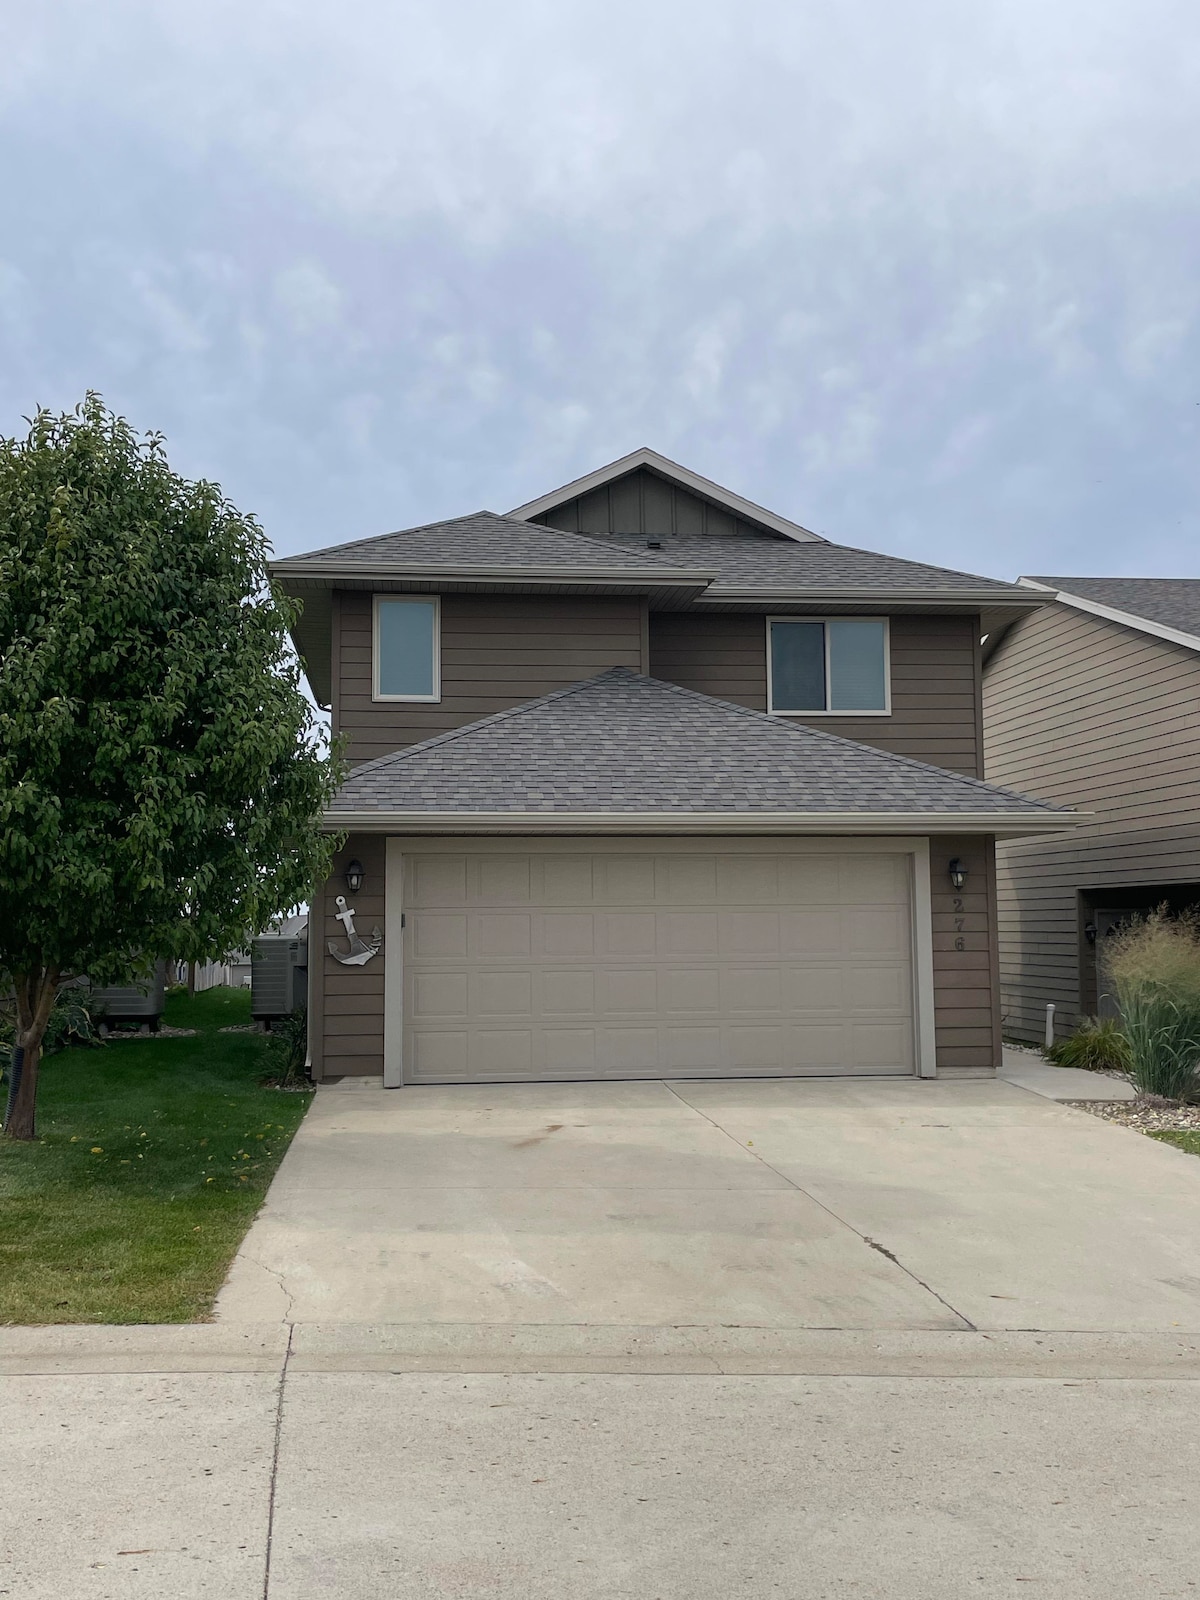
pixel 278 976
pixel 134 1002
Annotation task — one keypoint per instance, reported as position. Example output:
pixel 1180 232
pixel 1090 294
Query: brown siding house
pixel 649 781
pixel 1093 702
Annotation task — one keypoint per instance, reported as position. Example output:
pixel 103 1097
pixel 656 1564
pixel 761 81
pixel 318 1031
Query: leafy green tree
pixel 162 775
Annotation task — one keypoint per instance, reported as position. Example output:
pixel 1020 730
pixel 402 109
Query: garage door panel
pixel 689 933
pixel 501 933
pixel 438 881
pixel 881 989
pixel 500 1053
pixel 688 880
pixel 507 992
pixel 438 996
pixel 688 991
pixel 872 879
pixel 882 1045
pixel 750 933
pixel 815 931
pixel 634 1051
pixel 691 1050
pixel 809 880
pixel 876 930
pixel 566 934
pixel 439 935
pixel 752 880
pixel 813 990
pixel 753 989
pixel 567 880
pixel 624 881
pixel 437 1055
pixel 569 991
pixel 544 965
pixel 820 1047
pixel 627 933
pixel 502 880
pixel 628 991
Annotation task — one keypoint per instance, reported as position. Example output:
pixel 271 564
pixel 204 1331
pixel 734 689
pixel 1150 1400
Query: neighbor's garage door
pixel 542 965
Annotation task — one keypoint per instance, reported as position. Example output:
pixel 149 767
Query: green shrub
pixel 288 1045
pixel 70 1023
pixel 1154 966
pixel 1096 1046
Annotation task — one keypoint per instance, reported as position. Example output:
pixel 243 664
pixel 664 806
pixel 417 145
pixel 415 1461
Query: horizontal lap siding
pixel 966 994
pixel 351 1023
pixel 1085 712
pixel 935 680
pixel 496 654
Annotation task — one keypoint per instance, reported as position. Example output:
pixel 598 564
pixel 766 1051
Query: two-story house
pixel 1093 701
pixel 651 782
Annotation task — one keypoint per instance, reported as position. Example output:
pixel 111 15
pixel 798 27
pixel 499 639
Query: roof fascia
pixel 674 473
pixel 960 599
pixel 1002 824
pixel 655 577
pixel 1128 619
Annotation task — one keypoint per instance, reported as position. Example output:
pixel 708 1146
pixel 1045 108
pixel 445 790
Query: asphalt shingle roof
pixel 621 742
pixel 747 561
pixel 1172 602
pixel 483 539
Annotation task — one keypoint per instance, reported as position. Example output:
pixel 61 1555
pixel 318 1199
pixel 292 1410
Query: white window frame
pixel 887 666
pixel 408 599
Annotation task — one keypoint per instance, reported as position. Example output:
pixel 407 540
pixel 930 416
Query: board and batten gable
pixel 936 713
pixel 1086 712
pixel 496 652
pixel 642 502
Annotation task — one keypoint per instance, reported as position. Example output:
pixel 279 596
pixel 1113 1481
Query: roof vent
pixel 653 544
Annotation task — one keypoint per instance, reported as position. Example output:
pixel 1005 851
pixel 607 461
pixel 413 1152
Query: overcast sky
pixel 924 277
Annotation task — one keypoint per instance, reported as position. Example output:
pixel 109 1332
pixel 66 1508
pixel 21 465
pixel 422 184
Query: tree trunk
pixel 191 975
pixel 35 1001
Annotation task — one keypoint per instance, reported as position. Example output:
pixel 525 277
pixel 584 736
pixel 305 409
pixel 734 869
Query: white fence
pixel 233 974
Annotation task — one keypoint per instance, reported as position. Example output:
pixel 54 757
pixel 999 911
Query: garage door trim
pixel 917 849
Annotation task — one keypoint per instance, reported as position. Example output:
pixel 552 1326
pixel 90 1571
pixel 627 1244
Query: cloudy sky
pixel 925 277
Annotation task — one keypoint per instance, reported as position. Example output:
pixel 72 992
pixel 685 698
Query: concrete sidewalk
pixel 563 1463
pixel 1034 1072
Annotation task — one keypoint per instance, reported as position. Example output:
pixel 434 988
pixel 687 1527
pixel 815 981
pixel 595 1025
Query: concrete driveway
pixel 772 1341
pixel 762 1204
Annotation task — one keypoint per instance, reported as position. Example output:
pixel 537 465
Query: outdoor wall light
pixel 1089 932
pixel 354 876
pixel 958 873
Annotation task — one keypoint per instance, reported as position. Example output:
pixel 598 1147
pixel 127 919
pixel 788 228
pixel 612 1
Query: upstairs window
pixel 406 651
pixel 833 666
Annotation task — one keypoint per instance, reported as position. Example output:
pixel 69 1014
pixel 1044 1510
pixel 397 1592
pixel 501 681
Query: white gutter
pixel 1003 824
pixel 1159 630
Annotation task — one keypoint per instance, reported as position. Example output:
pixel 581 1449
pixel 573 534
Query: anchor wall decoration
pixel 360 952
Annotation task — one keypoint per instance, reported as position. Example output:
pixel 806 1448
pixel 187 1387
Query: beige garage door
pixel 544 965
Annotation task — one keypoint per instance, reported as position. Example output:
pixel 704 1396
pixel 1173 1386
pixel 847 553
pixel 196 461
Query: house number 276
pixel 960 923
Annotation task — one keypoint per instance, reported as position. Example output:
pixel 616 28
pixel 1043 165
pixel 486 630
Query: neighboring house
pixel 1093 701
pixel 651 782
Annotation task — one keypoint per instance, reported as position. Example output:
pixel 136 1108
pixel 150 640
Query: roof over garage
pixel 631 753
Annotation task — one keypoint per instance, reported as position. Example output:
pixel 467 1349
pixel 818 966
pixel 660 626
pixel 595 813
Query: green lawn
pixel 1182 1138
pixel 152 1158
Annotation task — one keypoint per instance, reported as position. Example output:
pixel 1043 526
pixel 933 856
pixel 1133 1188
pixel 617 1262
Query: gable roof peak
pixel 673 472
